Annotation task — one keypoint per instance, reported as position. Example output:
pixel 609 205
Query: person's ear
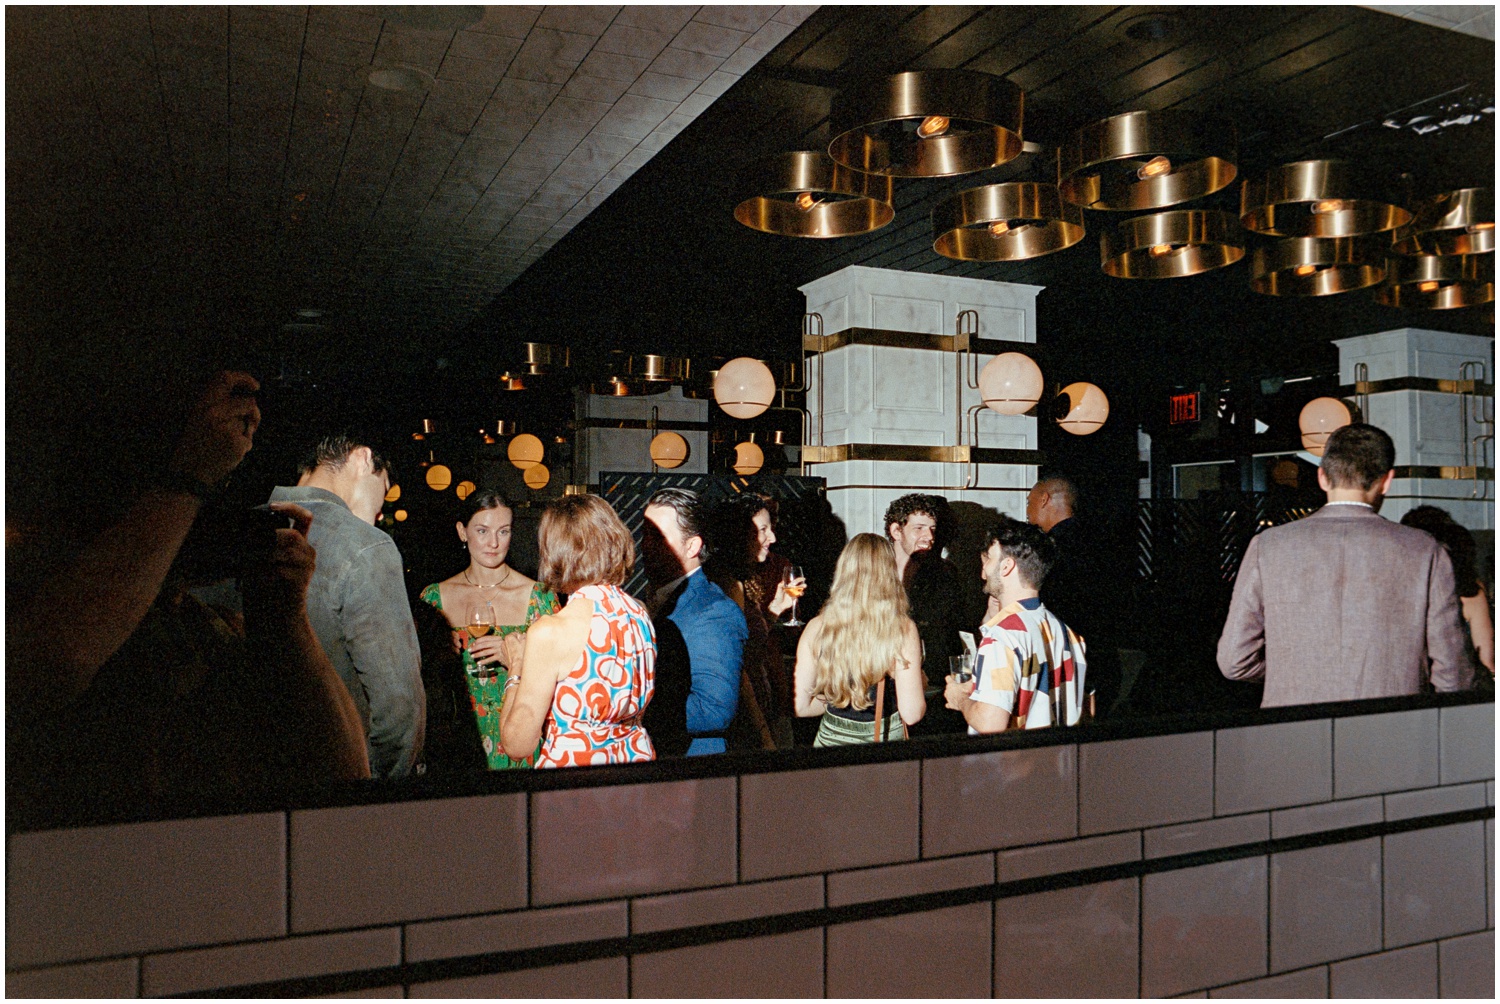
pixel 694 547
pixel 362 460
pixel 1007 566
pixel 1385 482
pixel 463 532
pixel 1323 481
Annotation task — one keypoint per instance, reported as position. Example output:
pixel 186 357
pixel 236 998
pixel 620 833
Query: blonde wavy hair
pixel 863 624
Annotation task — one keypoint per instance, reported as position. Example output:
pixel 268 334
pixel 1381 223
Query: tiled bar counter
pixel 1333 850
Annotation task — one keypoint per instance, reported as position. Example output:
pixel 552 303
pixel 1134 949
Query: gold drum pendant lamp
pixel 1318 266
pixel 1320 198
pixel 1451 223
pixel 1007 222
pixel 927 124
pixel 1146 160
pixel 805 194
pixel 1438 282
pixel 1170 245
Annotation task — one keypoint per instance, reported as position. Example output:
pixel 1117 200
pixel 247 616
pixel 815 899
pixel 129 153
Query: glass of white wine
pixel 481 623
pixel 796 585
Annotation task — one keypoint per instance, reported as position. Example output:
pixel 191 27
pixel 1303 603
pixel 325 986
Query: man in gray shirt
pixel 357 599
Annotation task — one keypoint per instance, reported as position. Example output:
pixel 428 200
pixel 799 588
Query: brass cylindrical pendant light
pixel 1320 198
pixel 1146 160
pixel 1318 266
pixel 1006 222
pixel 805 194
pixel 927 124
pixel 1171 244
pixel 1438 282
pixel 1451 223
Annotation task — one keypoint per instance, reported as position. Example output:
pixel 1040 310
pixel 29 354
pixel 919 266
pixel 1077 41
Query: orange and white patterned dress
pixel 596 708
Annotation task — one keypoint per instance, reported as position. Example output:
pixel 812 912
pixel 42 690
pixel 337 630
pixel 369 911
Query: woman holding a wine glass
pixel 483 604
pixel 765 586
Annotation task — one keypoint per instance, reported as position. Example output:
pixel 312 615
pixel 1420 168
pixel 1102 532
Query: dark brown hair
pixel 583 543
pixel 1032 550
pixel 1357 456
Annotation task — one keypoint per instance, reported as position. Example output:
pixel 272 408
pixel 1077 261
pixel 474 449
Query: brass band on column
pixel 1005 222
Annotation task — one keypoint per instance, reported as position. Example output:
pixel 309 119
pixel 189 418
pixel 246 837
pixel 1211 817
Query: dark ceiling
pixel 661 266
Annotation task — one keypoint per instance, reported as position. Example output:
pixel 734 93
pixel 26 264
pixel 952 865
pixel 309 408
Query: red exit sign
pixel 1184 408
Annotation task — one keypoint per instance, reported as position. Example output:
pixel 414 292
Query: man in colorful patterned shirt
pixel 1029 670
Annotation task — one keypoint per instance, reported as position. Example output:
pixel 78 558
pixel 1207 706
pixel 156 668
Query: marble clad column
pixel 899 396
pixel 1427 426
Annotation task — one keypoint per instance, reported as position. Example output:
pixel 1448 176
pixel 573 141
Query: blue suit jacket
pixel 714 630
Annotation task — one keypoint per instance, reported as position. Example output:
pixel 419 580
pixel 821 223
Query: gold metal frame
pixel 1339 265
pixel 1101 165
pixel 984 129
pixel 1321 198
pixel 859 203
pixel 1446 473
pixel 1457 222
pixel 961 454
pixel 1170 245
pixel 1364 388
pixel 961 223
pixel 1438 282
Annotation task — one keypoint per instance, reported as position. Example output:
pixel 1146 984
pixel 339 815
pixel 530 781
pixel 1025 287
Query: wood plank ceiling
pixel 177 162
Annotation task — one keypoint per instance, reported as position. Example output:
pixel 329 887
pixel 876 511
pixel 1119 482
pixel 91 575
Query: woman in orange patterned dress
pixel 590 668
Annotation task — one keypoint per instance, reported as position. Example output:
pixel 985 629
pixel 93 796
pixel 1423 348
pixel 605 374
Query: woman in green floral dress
pixel 515 600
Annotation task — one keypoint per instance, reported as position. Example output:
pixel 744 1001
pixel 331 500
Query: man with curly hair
pixel 915 525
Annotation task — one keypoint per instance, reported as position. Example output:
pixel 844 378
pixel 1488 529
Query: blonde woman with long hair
pixel 862 638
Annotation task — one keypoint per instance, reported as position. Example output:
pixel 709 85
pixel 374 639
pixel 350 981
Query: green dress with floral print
pixel 487 691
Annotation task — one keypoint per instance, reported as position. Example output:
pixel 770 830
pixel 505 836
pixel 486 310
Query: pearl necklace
pixel 491 585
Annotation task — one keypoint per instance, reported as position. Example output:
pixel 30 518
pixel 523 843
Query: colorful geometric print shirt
pixel 1032 665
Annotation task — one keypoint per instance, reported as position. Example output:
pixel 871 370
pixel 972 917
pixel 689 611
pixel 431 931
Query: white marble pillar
pixel 901 396
pixel 1428 425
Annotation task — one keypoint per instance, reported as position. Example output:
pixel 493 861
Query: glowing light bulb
pixel 1475 228
pixel 805 201
pixel 1306 269
pixel 1325 206
pixel 1428 287
pixel 1154 168
pixel 933 125
pixel 1000 228
pixel 1161 250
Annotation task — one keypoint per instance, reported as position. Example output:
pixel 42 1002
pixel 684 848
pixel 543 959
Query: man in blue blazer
pixel 701 632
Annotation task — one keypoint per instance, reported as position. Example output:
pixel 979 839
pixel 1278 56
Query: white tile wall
pixel 1378 753
pixel 1203 926
pixel 1272 766
pixel 1313 913
pixel 1434 883
pixel 1325 904
pixel 1145 782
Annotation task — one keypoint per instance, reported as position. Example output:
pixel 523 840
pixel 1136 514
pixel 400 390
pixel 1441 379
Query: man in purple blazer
pixel 1345 605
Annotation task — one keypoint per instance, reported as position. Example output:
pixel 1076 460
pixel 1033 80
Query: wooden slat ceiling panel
pixel 252 135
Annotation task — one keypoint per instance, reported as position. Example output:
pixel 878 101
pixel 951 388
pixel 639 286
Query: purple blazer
pixel 1344 605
